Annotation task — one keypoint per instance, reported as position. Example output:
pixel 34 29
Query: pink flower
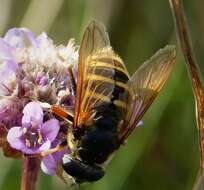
pixel 34 68
pixel 33 136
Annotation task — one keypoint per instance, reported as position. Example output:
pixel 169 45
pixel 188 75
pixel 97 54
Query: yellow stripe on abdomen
pixel 100 97
pixel 109 66
pixel 94 77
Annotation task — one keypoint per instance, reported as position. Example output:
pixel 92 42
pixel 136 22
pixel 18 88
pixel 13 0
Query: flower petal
pixel 8 66
pixel 21 37
pixel 45 146
pixel 32 113
pixel 49 165
pixel 5 50
pixel 50 129
pixel 58 155
pixel 14 137
pixel 30 150
pixel 7 77
pixel 43 40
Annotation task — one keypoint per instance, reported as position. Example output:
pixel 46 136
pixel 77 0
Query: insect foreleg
pixel 59 147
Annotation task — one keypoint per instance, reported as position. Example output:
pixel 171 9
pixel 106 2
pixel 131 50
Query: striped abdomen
pixel 107 81
pixel 105 93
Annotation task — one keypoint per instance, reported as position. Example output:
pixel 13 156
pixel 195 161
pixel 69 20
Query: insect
pixel 109 102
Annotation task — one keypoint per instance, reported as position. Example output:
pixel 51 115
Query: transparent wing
pixel 94 38
pixel 98 65
pixel 146 83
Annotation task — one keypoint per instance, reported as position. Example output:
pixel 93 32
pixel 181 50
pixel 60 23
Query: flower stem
pixel 30 171
pixel 181 26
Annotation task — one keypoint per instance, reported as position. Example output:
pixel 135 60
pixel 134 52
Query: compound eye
pixel 80 171
pixel 71 166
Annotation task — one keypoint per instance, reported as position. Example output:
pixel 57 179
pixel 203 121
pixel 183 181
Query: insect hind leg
pixel 80 171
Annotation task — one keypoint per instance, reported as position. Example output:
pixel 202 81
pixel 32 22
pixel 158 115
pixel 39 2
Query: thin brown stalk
pixel 194 75
pixel 30 171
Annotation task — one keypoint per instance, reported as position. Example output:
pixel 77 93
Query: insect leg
pixel 58 148
pixel 64 114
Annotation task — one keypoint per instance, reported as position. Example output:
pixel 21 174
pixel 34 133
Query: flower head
pixel 32 70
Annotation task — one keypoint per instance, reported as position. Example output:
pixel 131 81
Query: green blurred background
pixel 162 154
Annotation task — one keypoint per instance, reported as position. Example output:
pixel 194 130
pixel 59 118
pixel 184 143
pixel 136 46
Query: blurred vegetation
pixel 162 154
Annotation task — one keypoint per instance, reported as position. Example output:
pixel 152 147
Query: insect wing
pixel 146 83
pixel 94 38
pixel 98 65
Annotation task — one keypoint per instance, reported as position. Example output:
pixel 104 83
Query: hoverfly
pixel 109 102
